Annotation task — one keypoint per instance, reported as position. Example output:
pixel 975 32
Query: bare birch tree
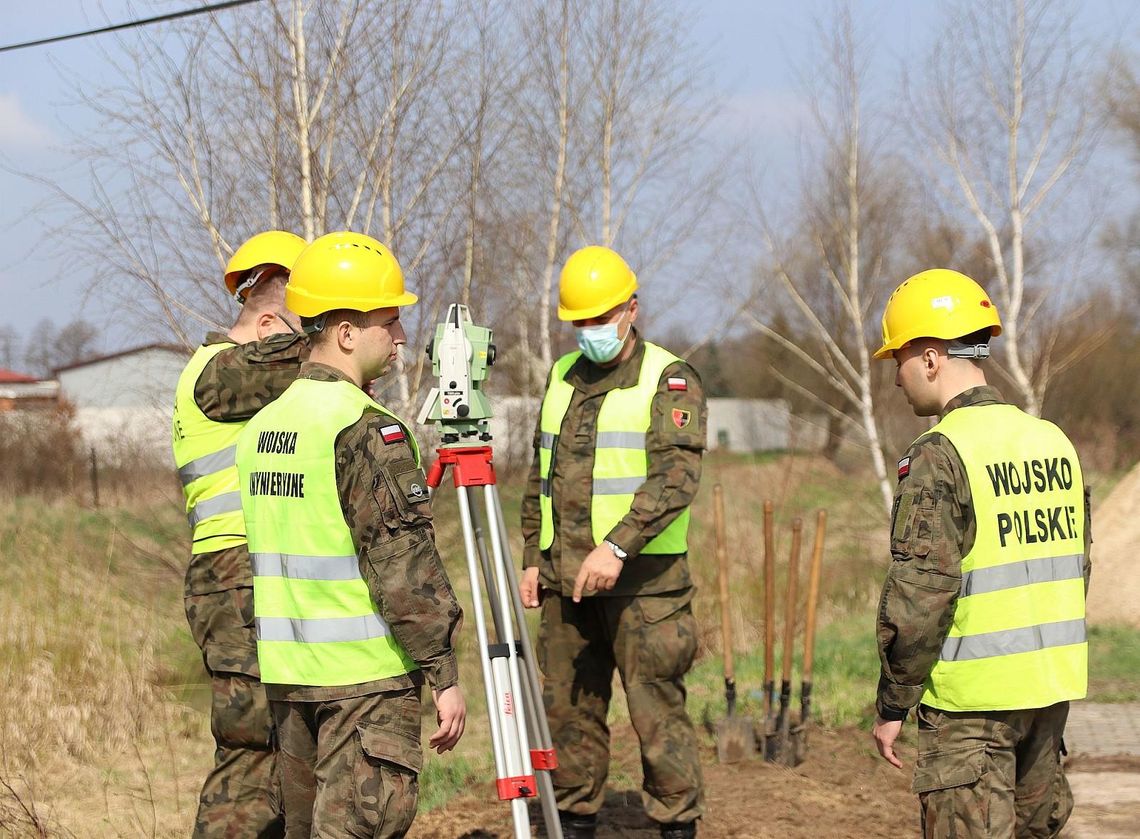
pixel 831 266
pixel 1005 113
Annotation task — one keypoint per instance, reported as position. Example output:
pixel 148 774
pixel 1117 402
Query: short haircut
pixel 266 295
pixel 317 327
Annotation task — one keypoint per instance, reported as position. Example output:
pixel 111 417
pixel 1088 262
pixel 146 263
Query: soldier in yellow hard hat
pixel 353 607
pixel 982 620
pixel 605 521
pixel 228 380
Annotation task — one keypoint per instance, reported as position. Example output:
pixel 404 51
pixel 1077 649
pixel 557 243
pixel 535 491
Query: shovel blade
pixel 735 739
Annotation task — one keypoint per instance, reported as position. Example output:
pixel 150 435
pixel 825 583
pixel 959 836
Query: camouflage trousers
pixel 651 640
pixel 350 767
pixel 241 795
pixel 992 773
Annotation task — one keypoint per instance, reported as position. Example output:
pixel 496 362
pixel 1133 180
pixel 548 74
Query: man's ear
pixel 266 325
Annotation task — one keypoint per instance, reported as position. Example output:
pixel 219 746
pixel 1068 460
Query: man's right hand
pixel 528 588
pixel 451 713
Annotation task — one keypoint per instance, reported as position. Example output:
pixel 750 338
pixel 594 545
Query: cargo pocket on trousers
pixel 667 639
pixel 948 769
pixel 385 785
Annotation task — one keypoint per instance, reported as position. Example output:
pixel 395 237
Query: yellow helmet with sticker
pixel 938 303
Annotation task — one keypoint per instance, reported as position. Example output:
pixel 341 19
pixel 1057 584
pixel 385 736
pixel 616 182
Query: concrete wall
pixel 124 404
pixel 143 379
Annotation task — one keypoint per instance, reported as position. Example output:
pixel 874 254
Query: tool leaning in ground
pixel 769 686
pixel 735 736
pixel 777 747
pixel 801 739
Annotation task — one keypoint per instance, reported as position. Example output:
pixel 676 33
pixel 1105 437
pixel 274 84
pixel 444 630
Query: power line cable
pixel 214 7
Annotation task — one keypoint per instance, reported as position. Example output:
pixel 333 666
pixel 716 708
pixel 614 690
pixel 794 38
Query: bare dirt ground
pixel 843 789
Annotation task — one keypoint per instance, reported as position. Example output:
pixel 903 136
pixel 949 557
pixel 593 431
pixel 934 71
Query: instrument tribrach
pixel 461 353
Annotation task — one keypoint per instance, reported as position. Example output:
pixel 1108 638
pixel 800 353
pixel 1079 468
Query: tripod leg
pixel 536 711
pixel 497 684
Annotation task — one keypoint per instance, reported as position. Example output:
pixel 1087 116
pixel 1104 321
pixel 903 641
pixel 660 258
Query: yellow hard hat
pixel 938 303
pixel 345 270
pixel 594 280
pixel 273 247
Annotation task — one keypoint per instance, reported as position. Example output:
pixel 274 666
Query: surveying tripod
pixel 520 735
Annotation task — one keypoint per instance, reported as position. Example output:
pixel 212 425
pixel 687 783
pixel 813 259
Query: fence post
pixel 94 477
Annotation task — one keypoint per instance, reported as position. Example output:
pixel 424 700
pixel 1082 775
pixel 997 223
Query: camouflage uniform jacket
pixel 395 542
pixel 236 384
pixel 932 529
pixel 674 474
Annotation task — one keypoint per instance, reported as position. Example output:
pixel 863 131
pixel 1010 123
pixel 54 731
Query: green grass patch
pixel 843 691
pixel 445 777
pixel 1114 664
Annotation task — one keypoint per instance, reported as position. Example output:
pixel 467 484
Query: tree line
pixel 484 140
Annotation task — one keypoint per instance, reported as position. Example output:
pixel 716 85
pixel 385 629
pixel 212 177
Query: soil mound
pixel 1115 589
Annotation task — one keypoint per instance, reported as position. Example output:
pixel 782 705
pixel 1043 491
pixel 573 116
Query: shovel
pixel 778 747
pixel 769 686
pixel 809 635
pixel 735 736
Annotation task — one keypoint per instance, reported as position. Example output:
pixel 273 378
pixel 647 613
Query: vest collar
pixel 591 379
pixel 983 395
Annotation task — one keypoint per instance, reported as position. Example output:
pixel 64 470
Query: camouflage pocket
pixel 385 786
pixel 666 642
pixel 946 769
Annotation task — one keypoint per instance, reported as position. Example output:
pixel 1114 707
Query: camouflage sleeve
pixel 674 444
pixel 240 381
pixel 531 511
pixel 383 494
pixel 1088 538
pixel 928 532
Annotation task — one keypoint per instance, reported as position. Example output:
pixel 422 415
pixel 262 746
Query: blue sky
pixel 755 51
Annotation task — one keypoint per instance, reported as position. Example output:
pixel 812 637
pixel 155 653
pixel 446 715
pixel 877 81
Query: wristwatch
pixel 618 552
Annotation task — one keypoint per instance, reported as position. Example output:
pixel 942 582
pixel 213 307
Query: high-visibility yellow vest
pixel 1018 637
pixel 204 455
pixel 316 622
pixel 620 462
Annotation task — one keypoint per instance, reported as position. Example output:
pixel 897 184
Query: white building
pixel 124 401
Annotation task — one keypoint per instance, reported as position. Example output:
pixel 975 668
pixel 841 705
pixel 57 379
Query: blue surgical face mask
pixel 600 343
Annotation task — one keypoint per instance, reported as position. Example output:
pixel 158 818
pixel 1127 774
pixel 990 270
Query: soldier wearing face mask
pixel 605 521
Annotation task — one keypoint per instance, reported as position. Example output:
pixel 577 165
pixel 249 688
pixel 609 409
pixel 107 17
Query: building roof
pixel 177 349
pixel 12 377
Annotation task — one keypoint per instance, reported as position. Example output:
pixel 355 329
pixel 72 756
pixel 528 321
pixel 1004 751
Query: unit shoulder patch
pixel 904 467
pixel 681 418
pixel 413 485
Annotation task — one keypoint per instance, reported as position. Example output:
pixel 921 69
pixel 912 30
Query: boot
pixel 576 826
pixel 679 830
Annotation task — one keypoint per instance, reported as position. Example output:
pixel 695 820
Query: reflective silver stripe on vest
pixel 227 502
pixel 207 464
pixel 321 630
pixel 1000 577
pixel 617 486
pixel 1011 641
pixel 620 440
pixel 547 440
pixel 300 567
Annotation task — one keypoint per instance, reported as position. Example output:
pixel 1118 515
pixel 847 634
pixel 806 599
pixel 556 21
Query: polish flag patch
pixel 904 467
pixel 677 383
pixel 392 434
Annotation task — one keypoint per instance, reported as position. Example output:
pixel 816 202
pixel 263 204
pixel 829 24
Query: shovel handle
pixel 790 602
pixel 813 593
pixel 769 595
pixel 722 577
